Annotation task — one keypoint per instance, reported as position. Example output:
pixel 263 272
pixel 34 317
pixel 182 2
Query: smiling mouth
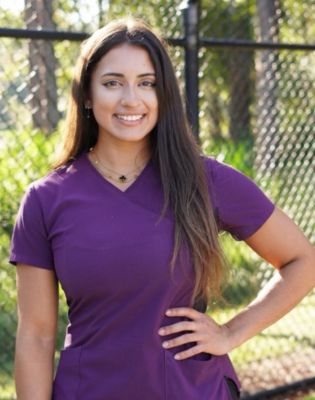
pixel 130 118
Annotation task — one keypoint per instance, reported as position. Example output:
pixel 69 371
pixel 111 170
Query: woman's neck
pixel 123 158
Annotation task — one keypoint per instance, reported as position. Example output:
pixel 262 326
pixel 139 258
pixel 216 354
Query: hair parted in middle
pixel 173 147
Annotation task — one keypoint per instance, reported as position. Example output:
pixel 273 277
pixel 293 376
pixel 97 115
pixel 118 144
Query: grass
pixel 291 333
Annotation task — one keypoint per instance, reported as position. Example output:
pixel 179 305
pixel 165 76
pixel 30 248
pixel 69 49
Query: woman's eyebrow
pixel 148 74
pixel 122 75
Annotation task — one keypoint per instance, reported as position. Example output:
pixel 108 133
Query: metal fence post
pixel 190 13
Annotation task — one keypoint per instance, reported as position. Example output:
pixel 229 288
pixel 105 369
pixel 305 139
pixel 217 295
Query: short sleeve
pixel 29 242
pixel 241 207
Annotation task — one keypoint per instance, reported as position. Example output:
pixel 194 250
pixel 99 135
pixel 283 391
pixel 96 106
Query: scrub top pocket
pixel 69 372
pixel 189 377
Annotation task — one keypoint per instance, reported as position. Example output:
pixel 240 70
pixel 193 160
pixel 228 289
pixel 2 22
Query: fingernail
pixel 165 344
pixel 161 331
pixel 168 312
pixel 177 357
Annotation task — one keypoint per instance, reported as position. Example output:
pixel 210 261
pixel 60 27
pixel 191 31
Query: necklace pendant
pixel 122 178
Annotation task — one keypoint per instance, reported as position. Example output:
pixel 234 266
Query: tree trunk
pixel 267 64
pixel 42 64
pixel 240 62
pixel 240 94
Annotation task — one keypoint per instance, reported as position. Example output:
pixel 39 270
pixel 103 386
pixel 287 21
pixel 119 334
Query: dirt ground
pixel 276 372
pixel 300 395
pixel 297 395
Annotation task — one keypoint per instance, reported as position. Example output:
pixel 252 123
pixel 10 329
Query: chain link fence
pixel 256 112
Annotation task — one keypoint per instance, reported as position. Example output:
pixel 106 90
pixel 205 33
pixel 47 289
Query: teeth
pixel 129 117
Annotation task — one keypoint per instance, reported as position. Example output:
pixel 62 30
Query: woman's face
pixel 123 95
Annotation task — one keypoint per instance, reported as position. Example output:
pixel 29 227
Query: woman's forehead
pixel 126 58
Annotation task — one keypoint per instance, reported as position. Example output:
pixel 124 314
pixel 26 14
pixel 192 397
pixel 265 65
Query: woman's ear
pixel 87 104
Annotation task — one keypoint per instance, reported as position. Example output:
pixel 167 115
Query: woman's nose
pixel 130 97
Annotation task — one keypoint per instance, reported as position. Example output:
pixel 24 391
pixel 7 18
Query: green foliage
pixel 166 16
pixel 244 279
pixel 297 22
pixel 223 19
pixel 10 19
pixel 24 157
pixel 239 154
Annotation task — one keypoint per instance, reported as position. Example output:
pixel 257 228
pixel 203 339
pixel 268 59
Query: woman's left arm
pixel 281 243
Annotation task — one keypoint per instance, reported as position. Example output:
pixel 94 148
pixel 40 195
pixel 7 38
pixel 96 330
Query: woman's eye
pixel 148 84
pixel 111 83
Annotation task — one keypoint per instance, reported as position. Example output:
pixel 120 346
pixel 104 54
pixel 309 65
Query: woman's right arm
pixel 37 300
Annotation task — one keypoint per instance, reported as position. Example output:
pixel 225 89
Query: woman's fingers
pixel 183 312
pixel 177 327
pixel 183 339
pixel 193 351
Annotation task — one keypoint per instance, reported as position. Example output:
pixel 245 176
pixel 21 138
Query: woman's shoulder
pixel 218 170
pixel 225 178
pixel 241 206
pixel 56 179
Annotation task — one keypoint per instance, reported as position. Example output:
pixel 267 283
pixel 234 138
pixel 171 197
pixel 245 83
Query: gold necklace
pixel 122 178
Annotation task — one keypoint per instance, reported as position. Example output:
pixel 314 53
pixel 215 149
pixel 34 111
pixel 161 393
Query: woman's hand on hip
pixel 209 336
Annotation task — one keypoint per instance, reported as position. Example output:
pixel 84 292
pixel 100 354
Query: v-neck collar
pixel 112 186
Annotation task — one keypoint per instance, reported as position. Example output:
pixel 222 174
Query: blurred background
pixel 246 70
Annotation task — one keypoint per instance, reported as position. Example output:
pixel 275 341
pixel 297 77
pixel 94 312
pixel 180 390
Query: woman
pixel 128 223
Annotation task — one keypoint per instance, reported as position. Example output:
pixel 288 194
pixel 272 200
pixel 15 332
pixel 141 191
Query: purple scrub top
pixel 111 255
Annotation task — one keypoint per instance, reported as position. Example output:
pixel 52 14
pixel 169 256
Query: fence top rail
pixel 42 34
pixel 250 44
pixel 46 34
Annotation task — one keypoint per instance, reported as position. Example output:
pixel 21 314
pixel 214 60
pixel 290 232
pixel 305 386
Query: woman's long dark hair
pixel 173 147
